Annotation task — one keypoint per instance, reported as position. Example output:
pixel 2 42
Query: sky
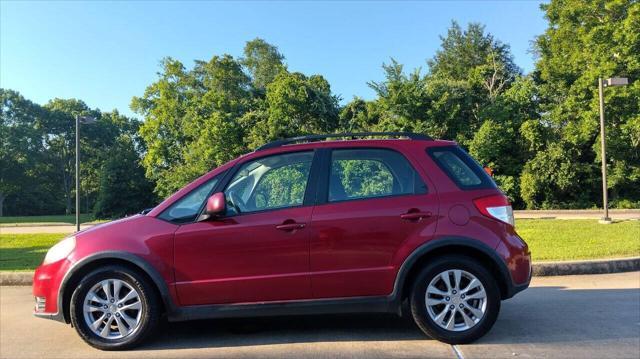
pixel 104 53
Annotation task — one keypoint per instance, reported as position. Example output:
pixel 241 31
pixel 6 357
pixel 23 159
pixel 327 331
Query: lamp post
pixel 614 81
pixel 86 120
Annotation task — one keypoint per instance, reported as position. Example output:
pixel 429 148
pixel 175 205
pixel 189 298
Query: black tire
pixel 150 308
pixel 419 308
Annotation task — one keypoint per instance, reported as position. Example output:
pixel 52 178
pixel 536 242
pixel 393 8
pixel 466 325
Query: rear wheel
pixel 455 300
pixel 114 308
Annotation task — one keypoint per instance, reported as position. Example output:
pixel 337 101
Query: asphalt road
pixel 592 316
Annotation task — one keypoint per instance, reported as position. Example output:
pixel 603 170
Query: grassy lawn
pixel 566 239
pixel 71 219
pixel 25 251
pixel 549 239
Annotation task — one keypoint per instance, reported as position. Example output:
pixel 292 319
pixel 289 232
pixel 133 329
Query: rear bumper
pixel 517 257
pixel 517 288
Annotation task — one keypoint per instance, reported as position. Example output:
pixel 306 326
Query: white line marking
pixel 457 352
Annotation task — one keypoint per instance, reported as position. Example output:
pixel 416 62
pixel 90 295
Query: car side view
pixel 310 225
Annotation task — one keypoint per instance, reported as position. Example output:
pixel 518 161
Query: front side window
pixel 272 182
pixel 187 208
pixel 367 173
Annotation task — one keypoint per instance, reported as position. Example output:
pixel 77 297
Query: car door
pixel 374 201
pixel 258 251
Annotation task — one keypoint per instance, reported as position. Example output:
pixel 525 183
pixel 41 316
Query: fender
pixel 426 248
pixel 133 259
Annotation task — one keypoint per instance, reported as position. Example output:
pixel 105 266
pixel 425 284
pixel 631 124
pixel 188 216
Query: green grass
pixel 25 251
pixel 549 239
pixel 71 219
pixel 566 239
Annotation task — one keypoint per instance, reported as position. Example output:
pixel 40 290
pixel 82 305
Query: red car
pixel 300 226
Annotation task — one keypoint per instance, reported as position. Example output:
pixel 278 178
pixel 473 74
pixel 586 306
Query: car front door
pixel 372 201
pixel 259 250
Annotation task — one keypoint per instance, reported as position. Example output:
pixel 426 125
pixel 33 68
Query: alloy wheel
pixel 456 300
pixel 112 309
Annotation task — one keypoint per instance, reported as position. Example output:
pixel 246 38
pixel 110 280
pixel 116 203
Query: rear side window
pixel 369 173
pixel 461 168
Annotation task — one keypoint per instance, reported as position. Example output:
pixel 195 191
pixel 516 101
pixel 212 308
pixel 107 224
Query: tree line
pixel 539 132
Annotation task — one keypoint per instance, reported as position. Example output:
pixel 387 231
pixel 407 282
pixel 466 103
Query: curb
pixel 540 269
pixel 598 266
pixel 16 278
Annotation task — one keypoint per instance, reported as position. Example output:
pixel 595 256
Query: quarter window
pixel 367 173
pixel 461 167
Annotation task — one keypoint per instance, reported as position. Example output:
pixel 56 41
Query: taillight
pixel 496 207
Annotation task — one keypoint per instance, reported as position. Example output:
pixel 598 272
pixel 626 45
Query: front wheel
pixel 455 300
pixel 114 308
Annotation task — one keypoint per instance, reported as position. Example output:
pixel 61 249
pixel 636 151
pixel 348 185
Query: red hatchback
pixel 300 226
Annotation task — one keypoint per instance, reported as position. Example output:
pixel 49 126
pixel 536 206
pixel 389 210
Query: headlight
pixel 61 250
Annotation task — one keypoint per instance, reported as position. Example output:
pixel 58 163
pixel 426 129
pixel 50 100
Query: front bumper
pixel 46 285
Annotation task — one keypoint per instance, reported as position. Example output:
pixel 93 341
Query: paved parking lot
pixel 591 316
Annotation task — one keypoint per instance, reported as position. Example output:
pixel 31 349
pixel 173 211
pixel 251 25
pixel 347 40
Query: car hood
pixel 109 225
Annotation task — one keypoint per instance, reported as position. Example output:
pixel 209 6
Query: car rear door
pixel 371 202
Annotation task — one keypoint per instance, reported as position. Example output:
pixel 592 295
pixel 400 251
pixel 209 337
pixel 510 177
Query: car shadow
pixel 537 315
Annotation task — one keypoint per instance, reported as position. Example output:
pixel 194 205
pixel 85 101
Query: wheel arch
pixel 472 248
pixel 129 260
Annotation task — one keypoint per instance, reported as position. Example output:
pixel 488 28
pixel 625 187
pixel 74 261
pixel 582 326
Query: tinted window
pixel 461 168
pixel 270 182
pixel 366 173
pixel 187 208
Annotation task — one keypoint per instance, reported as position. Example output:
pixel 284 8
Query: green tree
pixel 124 190
pixel 263 63
pixel 21 150
pixel 37 156
pixel 584 41
pixel 473 94
pixel 191 120
pixel 296 104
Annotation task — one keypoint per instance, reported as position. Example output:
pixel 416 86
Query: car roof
pixel 346 139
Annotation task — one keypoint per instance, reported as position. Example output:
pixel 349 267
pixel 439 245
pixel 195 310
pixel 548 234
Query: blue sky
pixel 106 52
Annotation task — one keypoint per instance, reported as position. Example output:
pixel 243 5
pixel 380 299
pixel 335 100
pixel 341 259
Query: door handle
pixel 415 216
pixel 290 226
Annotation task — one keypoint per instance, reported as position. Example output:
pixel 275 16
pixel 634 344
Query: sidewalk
pixel 57 228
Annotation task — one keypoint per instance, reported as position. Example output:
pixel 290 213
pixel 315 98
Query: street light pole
pixel 77 173
pixel 603 151
pixel 614 81
pixel 84 120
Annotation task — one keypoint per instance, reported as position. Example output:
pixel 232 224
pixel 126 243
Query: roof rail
pixel 353 136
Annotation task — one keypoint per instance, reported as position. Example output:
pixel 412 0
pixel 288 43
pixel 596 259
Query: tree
pixel 263 62
pixel 21 149
pixel 37 154
pixel 296 104
pixel 473 93
pixel 466 54
pixel 200 118
pixel 124 190
pixel 358 116
pixel 584 41
pixel 192 120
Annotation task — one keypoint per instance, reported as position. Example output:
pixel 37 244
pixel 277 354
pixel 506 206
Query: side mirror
pixel 488 170
pixel 216 204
